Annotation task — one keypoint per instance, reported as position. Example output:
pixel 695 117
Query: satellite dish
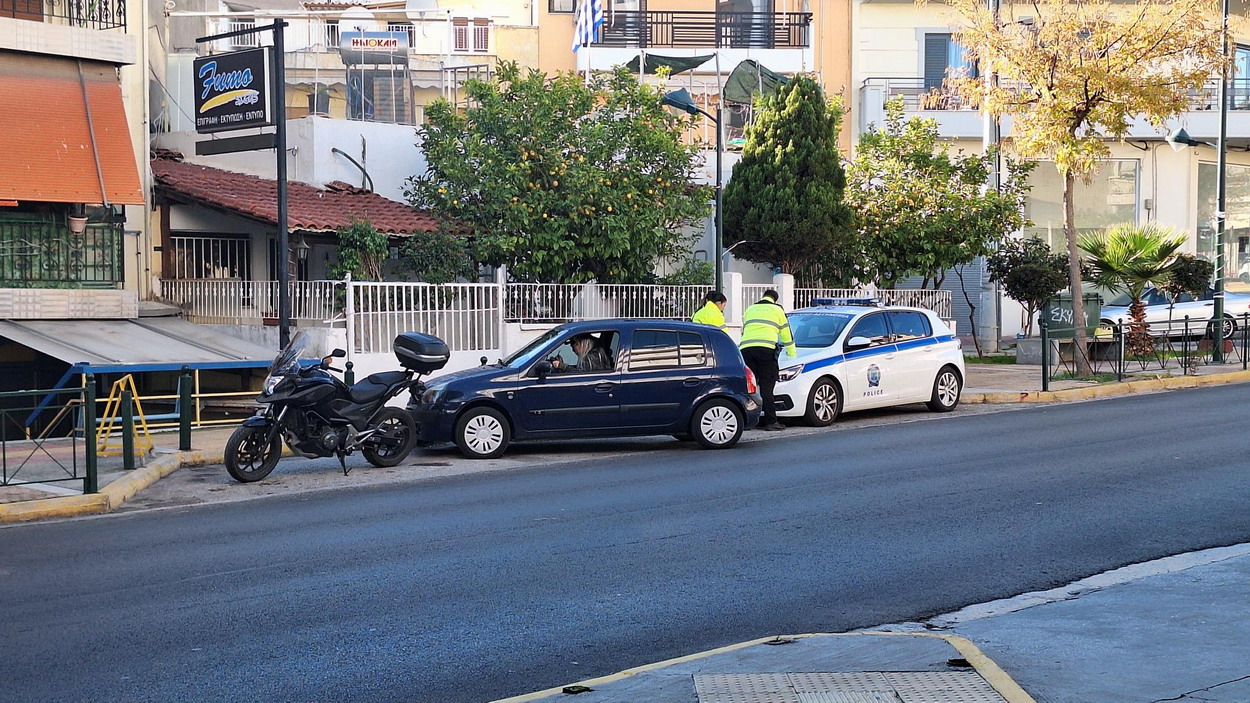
pixel 358 18
pixel 414 8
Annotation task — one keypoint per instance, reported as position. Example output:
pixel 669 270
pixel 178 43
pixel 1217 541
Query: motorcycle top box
pixel 423 353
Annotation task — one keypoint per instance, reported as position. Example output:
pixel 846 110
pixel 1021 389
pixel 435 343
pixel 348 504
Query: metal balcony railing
pixel 37 254
pixel 89 14
pixel 713 30
pixel 926 94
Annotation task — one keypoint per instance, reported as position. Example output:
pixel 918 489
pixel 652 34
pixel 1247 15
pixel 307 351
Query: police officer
pixel 713 311
pixel 764 329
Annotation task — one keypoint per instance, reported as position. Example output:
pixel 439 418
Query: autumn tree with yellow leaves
pixel 564 181
pixel 1073 74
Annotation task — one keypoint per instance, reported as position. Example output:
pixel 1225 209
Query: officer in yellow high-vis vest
pixel 713 311
pixel 764 329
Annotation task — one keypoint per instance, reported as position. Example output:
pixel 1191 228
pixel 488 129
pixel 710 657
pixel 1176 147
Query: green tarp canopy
pixel 676 64
pixel 749 78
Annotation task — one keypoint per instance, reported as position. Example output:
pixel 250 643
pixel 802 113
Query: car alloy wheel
pixel 824 404
pixel 946 388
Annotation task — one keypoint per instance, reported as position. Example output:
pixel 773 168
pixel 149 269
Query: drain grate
pixel 846 687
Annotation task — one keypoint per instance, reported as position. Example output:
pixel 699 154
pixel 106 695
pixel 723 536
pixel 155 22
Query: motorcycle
pixel 318 415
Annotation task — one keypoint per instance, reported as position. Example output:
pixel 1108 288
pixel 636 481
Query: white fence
pixel 234 302
pixel 465 315
pixel 560 302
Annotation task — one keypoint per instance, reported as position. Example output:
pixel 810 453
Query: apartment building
pixel 905 51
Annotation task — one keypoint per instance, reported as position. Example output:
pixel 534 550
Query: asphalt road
pixel 469 588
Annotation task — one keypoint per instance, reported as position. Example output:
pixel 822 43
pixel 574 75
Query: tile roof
pixel 308 209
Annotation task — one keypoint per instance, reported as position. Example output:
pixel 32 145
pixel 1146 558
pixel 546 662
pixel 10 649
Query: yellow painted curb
pixel 110 496
pixel 990 671
pixel 1109 390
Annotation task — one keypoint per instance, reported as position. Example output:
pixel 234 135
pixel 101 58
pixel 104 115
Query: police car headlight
pixel 790 373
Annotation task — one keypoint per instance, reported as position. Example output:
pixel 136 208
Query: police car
pixel 855 354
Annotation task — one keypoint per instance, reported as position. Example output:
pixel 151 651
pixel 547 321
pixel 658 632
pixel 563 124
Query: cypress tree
pixel 786 195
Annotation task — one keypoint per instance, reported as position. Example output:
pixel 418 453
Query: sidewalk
pixel 1171 630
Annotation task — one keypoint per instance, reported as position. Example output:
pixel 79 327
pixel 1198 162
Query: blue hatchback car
pixel 602 378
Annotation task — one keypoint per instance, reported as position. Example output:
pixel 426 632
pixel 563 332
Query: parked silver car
pixel 1167 319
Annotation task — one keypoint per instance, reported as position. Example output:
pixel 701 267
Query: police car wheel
pixel 946 390
pixel 824 403
pixel 717 424
pixel 482 433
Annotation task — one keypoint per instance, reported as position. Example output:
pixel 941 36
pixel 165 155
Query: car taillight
pixel 751 387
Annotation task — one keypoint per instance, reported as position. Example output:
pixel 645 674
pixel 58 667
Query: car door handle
pixel 692 382
pixel 605 387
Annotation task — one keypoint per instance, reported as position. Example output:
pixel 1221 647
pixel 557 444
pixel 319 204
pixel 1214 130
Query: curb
pixel 1109 390
pixel 110 496
pixel 986 667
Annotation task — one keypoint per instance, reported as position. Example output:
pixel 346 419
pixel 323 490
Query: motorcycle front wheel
pixel 397 435
pixel 248 457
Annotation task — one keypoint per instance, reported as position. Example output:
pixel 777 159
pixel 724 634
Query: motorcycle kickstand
pixel 343 463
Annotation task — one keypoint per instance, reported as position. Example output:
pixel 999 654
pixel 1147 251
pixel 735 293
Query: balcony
pixel 707 30
pixel 44 254
pixel 959 118
pixel 86 14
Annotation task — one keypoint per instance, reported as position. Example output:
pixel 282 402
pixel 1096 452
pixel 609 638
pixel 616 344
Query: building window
pixel 471 35
pixel 1110 198
pixel 943 57
pixel 332 35
pixel 557 6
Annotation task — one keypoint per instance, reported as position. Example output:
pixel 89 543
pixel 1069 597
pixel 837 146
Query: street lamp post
pixel 682 100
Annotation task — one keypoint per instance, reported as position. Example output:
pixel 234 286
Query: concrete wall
pixel 67 304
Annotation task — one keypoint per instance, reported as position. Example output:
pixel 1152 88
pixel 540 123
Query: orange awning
pixel 50 145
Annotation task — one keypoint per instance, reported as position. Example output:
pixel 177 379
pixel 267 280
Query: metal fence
pixel 234 302
pixel 561 302
pixel 1123 349
pixel 740 30
pixel 89 14
pixel 939 301
pixel 41 253
pixel 45 437
pixel 465 315
pixel 919 93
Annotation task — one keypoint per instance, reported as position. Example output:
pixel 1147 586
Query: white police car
pixel 857 354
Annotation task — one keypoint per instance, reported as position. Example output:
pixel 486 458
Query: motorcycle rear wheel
pixel 399 433
pixel 247 458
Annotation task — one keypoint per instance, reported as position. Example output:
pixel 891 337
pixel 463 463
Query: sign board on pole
pixel 1059 318
pixel 232 91
pixel 373 48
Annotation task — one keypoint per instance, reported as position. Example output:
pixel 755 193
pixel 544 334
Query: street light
pixel 682 100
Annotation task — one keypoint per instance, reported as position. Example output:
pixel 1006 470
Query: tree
pixel 1030 274
pixel 1190 275
pixel 438 257
pixel 921 210
pixel 1079 73
pixel 785 198
pixel 561 181
pixel 362 249
pixel 1129 258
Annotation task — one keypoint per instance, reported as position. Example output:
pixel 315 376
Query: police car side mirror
pixel 858 343
pixel 541 369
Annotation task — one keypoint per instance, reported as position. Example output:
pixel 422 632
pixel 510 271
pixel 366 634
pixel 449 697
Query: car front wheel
pixel 1227 330
pixel 717 424
pixel 824 403
pixel 946 390
pixel 482 433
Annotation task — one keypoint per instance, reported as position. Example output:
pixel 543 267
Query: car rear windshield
pixel 816 330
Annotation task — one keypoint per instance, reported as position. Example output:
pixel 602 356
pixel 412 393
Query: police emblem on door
pixel 874 376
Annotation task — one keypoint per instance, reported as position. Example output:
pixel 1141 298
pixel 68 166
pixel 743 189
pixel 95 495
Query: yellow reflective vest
pixel 710 314
pixel 764 324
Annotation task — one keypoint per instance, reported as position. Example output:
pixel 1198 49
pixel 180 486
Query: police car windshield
pixel 817 330
pixel 531 350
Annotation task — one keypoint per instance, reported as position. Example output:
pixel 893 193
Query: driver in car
pixel 590 356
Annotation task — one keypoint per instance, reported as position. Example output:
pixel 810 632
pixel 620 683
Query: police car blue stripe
pixel 838 358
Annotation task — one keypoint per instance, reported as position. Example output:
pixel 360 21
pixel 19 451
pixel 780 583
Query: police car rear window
pixel 816 330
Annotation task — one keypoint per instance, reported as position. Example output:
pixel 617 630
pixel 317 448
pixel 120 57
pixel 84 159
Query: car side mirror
pixel 542 368
pixel 338 353
pixel 858 343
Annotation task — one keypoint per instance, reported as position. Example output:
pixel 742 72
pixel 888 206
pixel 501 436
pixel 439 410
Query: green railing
pixel 60 445
pixel 45 254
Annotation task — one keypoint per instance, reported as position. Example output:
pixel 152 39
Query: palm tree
pixel 1128 258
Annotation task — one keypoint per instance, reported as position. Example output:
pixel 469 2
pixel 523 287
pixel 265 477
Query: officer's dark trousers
pixel 763 363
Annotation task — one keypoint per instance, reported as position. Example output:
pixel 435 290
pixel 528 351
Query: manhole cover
pixel 846 687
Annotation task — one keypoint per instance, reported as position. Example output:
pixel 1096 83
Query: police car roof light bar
pixel 866 302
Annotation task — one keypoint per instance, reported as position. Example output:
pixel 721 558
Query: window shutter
pixel 481 35
pixel 460 34
pixel 936 47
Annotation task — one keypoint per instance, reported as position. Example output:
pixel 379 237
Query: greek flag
pixel 589 20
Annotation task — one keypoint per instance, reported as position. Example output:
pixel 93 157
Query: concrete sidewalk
pixel 1170 630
